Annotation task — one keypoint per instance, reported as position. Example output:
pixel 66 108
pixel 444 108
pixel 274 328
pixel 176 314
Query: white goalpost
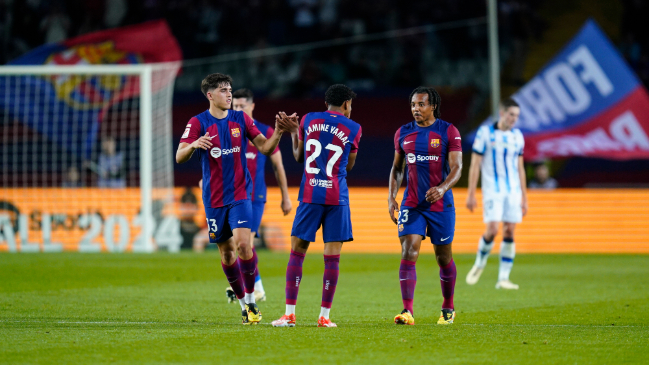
pixel 86 154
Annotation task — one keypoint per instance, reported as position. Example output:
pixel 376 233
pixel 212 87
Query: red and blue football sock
pixel 293 279
pixel 233 274
pixel 248 270
pixel 447 276
pixel 408 281
pixel 329 282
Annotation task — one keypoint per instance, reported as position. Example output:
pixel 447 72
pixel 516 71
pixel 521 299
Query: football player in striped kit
pixel 220 136
pixel 432 150
pixel 498 154
pixel 327 143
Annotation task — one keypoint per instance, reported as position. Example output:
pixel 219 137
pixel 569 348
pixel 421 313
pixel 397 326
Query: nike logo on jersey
pixel 458 138
pixel 241 222
pixel 212 137
pixel 408 142
pixel 444 239
pixel 403 279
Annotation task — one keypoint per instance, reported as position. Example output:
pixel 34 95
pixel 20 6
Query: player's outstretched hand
pixel 471 203
pixel 280 123
pixel 287 123
pixel 434 194
pixel 392 207
pixel 205 142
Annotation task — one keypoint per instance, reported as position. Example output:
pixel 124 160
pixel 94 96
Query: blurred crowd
pixel 634 43
pixel 206 28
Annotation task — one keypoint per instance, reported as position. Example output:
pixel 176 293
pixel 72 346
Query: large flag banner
pixel 148 42
pixel 585 102
pixel 55 105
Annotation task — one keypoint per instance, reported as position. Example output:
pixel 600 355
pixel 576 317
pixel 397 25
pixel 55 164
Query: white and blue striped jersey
pixel 500 151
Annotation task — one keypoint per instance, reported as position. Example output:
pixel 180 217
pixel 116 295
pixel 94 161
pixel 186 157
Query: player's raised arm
pixel 283 123
pixel 185 150
pixel 298 147
pixel 396 177
pixel 474 174
pixel 192 140
pixel 298 143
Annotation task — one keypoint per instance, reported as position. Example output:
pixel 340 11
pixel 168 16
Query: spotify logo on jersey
pixel 217 152
pixel 412 158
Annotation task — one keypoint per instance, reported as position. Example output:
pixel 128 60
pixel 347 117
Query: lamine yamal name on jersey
pixel 322 127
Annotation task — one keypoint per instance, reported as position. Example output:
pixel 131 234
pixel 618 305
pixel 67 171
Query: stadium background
pixel 254 41
pixel 583 298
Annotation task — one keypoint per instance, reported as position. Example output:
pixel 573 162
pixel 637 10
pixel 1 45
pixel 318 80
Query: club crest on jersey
pixel 235 132
pixel 400 227
pixel 212 236
pixel 434 143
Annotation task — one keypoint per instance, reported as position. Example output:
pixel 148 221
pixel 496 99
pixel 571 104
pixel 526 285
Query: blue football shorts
pixel 257 212
pixel 439 226
pixel 221 221
pixel 335 220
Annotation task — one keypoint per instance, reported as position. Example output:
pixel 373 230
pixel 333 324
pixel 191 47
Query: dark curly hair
pixel 433 98
pixel 337 94
pixel 213 81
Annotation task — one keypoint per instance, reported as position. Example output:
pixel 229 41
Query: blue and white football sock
pixel 258 285
pixel 507 254
pixel 484 249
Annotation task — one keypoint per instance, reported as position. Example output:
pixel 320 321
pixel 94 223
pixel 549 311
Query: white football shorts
pixel 502 207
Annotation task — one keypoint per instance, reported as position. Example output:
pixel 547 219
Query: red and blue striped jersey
pixel 225 174
pixel 426 151
pixel 329 137
pixel 257 164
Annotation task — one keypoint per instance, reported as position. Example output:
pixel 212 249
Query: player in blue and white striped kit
pixel 498 154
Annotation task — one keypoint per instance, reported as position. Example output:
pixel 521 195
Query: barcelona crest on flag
pixel 235 132
pixel 434 143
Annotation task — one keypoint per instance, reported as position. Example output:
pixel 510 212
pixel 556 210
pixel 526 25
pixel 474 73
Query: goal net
pixel 86 158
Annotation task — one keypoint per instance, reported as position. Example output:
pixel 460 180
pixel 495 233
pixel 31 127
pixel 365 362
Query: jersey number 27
pixel 338 151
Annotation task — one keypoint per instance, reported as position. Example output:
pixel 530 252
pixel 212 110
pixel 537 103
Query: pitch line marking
pixel 314 324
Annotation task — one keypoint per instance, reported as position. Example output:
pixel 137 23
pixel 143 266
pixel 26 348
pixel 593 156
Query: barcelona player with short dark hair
pixel 327 143
pixel 221 135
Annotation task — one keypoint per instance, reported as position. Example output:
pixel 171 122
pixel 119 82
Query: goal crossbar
pixel 85 69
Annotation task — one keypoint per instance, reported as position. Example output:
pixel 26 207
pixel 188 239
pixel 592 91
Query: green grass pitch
pixel 164 308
